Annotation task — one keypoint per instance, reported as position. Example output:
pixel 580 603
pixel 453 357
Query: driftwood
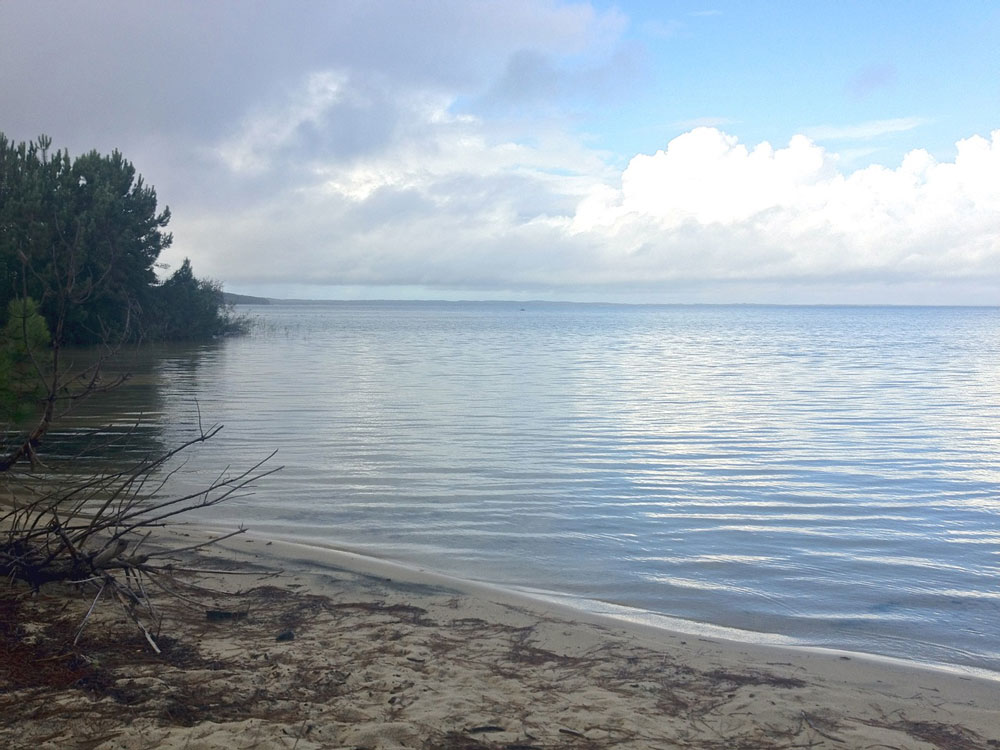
pixel 92 531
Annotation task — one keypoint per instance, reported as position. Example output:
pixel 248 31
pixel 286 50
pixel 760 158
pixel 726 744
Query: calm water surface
pixel 827 474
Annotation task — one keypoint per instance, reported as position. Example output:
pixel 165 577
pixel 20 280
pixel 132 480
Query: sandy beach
pixel 289 646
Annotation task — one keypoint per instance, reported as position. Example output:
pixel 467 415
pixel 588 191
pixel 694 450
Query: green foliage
pixel 23 355
pixel 191 308
pixel 82 236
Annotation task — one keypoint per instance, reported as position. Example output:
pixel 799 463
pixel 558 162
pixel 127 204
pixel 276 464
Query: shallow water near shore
pixel 827 474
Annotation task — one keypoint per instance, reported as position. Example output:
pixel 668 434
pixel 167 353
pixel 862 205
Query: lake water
pixel 828 474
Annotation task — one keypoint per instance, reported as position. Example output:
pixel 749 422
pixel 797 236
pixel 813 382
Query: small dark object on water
pixel 287 635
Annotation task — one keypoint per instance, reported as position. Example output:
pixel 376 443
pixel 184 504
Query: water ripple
pixel 829 474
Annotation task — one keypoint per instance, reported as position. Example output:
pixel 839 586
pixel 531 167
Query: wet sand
pixel 290 646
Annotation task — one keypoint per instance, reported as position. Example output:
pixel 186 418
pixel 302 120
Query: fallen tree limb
pixel 91 529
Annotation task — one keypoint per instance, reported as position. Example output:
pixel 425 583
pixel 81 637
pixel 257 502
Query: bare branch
pixel 91 531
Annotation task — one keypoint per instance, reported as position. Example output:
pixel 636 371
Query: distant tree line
pixel 81 238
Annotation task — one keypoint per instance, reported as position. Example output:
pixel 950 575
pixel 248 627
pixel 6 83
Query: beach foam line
pixel 311 555
pixel 338 649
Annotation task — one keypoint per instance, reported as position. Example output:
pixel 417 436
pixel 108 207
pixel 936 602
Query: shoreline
pixel 311 647
pixel 584 609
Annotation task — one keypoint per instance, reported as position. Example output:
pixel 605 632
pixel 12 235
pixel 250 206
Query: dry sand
pixel 343 651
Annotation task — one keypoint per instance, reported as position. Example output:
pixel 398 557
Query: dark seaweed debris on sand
pixel 367 657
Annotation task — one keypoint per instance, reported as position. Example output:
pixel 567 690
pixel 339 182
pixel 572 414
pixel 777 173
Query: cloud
pixel 709 208
pixel 457 210
pixel 534 77
pixel 443 202
pixel 708 177
pixel 864 130
pixel 220 107
pixel 266 134
pixel 116 73
pixel 435 146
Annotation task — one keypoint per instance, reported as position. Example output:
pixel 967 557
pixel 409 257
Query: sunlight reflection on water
pixel 828 474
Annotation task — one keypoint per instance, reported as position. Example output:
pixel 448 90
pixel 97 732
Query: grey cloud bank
pixel 397 149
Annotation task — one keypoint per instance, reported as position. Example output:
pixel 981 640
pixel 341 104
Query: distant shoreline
pixel 244 299
pixel 249 300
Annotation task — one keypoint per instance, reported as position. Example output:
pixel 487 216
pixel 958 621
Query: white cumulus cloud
pixel 452 206
pixel 708 207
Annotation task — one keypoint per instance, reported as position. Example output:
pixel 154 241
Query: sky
pixel 829 152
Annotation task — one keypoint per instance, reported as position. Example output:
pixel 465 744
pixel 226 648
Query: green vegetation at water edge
pixel 82 237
